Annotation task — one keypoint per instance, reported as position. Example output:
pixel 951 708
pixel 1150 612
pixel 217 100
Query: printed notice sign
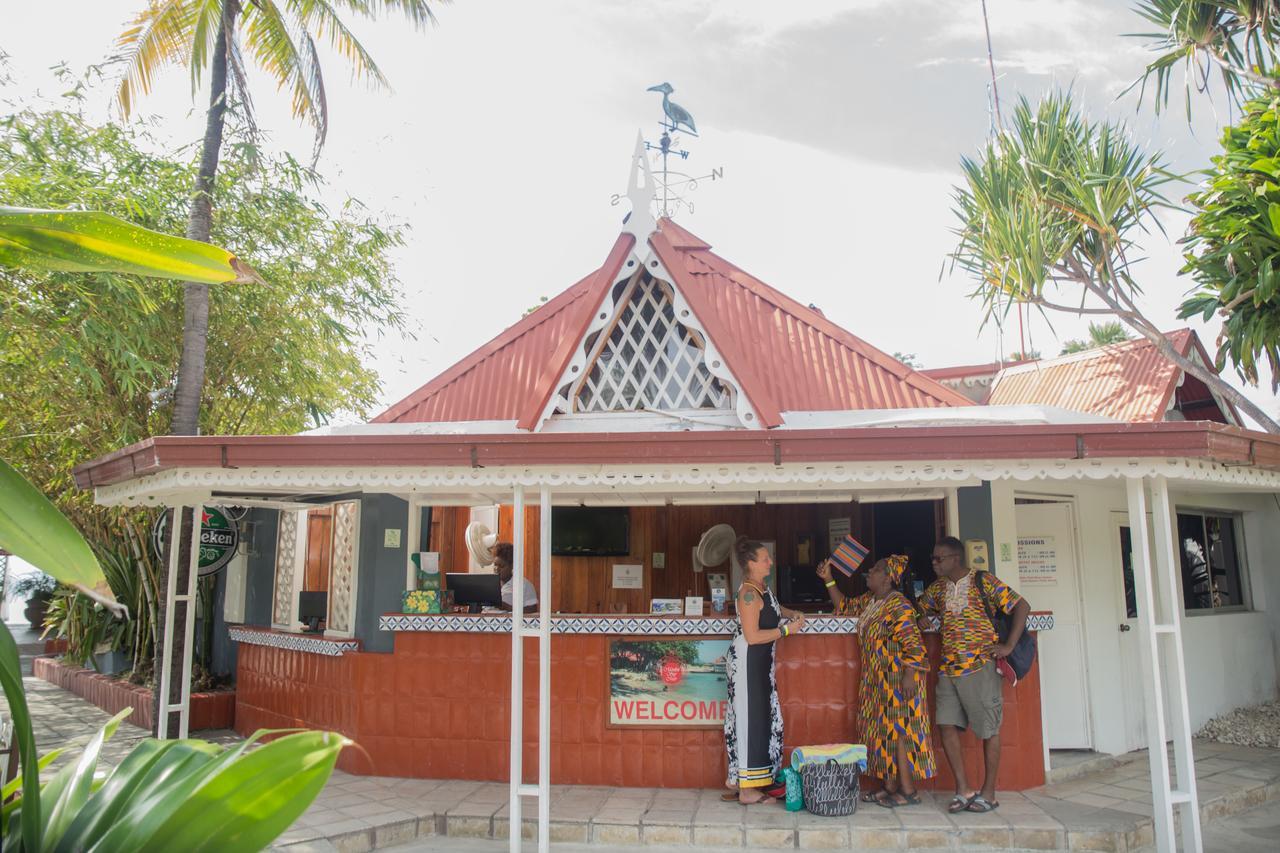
pixel 628 577
pixel 837 529
pixel 1037 560
pixel 674 682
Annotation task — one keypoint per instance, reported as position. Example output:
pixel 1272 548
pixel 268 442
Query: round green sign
pixel 219 537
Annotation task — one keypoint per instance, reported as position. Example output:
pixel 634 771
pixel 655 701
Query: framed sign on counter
pixel 676 682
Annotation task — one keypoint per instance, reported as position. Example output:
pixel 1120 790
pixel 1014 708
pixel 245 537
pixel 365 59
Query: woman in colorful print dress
pixel 753 718
pixel 894 715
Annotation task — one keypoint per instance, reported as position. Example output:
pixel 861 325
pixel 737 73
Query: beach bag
pixel 830 788
pixel 1024 653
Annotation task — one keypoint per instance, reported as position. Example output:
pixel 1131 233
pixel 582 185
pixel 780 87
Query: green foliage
pixel 909 359
pixel 1100 335
pixel 1237 38
pixel 278 36
pixel 1233 249
pixel 32 528
pixel 1030 355
pixel 1055 203
pixel 103 348
pixel 89 241
pixel 165 795
pixel 30 586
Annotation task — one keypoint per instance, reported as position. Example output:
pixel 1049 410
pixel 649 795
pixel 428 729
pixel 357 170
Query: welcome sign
pixel 668 682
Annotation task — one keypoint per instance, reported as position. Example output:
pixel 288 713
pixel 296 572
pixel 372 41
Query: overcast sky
pixel 839 127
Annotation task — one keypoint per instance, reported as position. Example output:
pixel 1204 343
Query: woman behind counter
pixel 753 719
pixel 894 714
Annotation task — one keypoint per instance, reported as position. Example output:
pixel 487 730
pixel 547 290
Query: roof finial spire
pixel 641 193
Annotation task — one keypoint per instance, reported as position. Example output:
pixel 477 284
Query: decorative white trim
pixel 309 643
pixel 343 574
pixel 283 600
pixel 632 625
pixel 573 480
pixel 650 360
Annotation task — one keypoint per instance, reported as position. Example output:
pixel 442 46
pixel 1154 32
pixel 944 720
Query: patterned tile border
pixel 638 625
pixel 294 642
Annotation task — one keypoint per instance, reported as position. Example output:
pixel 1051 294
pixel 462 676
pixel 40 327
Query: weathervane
pixel 674 185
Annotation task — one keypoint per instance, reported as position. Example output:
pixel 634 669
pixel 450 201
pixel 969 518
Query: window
pixel 1210 558
pixel 1209 549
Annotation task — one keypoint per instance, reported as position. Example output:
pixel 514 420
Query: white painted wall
pixel 1233 659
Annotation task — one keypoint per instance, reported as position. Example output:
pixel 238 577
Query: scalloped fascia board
pixel 184 485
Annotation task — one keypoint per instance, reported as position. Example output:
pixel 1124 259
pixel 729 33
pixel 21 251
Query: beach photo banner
pixel 676 682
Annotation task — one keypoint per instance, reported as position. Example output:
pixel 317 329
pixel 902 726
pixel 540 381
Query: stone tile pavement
pixel 1107 810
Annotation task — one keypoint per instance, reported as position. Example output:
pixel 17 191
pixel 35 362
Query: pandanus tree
pixel 222 38
pixel 1049 215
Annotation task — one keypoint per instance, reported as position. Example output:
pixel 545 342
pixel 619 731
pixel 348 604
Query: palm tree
pixel 279 37
pixel 1049 215
pixel 1100 335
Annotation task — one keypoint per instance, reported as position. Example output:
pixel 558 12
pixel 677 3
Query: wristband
pixel 830 584
pixel 784 630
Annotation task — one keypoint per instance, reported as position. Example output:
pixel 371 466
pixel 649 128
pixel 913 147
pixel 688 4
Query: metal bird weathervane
pixel 669 188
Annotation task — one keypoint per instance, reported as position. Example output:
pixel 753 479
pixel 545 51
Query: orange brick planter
pixel 208 710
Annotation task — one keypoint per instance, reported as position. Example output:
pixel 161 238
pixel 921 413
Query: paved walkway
pixel 1107 810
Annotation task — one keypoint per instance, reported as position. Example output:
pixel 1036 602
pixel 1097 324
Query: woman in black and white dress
pixel 753 720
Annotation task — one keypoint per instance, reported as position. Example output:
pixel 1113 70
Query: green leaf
pixel 62 802
pixel 11 787
pixel 32 529
pixel 15 693
pixel 88 241
pixel 1273 214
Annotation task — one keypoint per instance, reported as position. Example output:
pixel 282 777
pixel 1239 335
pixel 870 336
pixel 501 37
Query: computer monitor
pixel 313 608
pixel 476 589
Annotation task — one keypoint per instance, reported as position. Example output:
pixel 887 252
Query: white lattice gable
pixel 645 350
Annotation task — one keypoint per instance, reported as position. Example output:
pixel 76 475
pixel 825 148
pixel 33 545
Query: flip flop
pixel 728 796
pixel 959 803
pixel 981 805
pixel 874 796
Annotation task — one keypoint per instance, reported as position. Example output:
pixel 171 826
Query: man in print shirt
pixel 970 689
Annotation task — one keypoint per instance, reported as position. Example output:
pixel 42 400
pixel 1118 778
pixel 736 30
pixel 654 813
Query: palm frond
pixel 206 19
pixel 319 17
pixel 159 36
pixel 287 52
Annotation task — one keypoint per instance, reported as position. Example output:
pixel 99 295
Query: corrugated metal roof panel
pixel 786 356
pixel 1129 382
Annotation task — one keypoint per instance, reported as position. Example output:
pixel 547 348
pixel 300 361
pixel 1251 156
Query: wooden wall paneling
pixel 319 554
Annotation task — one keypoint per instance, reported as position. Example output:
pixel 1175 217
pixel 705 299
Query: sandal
pixel 959 803
pixel 981 805
pixel 728 796
pixel 763 801
pixel 876 796
pixel 890 802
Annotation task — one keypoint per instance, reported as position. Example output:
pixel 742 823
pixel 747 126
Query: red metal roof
pixel 787 357
pixel 1129 382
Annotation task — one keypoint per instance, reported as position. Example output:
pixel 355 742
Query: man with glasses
pixel 970 689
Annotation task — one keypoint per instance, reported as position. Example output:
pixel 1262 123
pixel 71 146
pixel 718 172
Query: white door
pixel 1049 578
pixel 1132 687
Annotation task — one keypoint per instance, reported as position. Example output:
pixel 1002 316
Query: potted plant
pixel 37 589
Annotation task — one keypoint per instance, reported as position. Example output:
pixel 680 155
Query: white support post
pixel 952 506
pixel 413 534
pixel 166 651
pixel 517 668
pixel 1153 686
pixel 544 671
pixel 188 598
pixel 1169 611
pixel 189 630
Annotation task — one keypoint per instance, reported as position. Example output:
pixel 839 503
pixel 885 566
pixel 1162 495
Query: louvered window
pixel 650 361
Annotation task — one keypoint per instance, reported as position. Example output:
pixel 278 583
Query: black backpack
pixel 1024 652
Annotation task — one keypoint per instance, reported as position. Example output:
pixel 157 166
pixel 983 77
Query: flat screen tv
pixel 590 531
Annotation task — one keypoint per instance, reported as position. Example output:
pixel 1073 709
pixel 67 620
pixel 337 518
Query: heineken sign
pixel 219 537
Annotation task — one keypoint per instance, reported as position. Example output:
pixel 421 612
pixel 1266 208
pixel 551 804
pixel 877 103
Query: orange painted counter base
pixel 438 708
